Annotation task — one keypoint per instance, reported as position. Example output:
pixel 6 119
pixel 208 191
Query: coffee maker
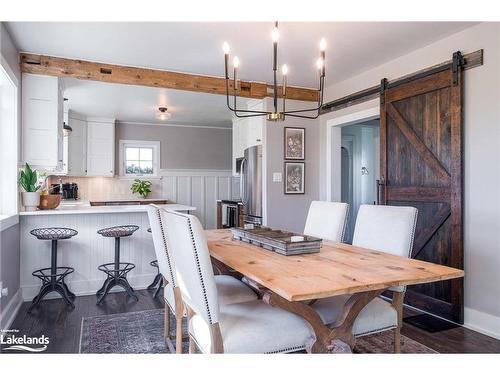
pixel 68 190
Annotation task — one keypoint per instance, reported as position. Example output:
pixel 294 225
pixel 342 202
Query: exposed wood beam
pixel 93 71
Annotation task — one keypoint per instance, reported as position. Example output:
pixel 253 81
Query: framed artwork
pixel 295 177
pixel 295 143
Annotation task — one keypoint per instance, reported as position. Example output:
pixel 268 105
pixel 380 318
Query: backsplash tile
pixel 106 188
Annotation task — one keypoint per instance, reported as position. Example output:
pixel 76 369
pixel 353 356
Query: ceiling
pixel 128 103
pixel 352 47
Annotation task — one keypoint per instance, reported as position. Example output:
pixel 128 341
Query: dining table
pixel 294 282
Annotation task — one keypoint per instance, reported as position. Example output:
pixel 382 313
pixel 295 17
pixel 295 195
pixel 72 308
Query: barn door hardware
pixel 457 65
pixel 383 86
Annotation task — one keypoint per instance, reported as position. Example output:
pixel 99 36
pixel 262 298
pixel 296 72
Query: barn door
pixel 421 166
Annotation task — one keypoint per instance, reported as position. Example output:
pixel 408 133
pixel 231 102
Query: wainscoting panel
pixel 201 189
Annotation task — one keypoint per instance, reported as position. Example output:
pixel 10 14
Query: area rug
pixel 142 332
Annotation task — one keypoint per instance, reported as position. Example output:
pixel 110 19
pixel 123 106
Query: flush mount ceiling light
pixel 276 114
pixel 163 114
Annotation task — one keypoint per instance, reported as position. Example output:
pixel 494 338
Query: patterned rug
pixel 142 332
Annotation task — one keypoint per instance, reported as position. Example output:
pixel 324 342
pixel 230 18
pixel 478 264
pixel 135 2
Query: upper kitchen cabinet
pixel 247 132
pixel 77 146
pixel 100 147
pixel 42 121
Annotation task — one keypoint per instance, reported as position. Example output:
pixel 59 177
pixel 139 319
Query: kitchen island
pixel 87 250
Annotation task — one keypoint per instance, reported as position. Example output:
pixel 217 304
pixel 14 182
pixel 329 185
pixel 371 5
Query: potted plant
pixel 28 181
pixel 141 187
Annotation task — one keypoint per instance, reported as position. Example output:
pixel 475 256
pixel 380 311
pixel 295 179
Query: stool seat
pixel 118 231
pixel 55 233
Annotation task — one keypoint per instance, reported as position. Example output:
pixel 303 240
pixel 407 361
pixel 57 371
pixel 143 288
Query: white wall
pixel 481 158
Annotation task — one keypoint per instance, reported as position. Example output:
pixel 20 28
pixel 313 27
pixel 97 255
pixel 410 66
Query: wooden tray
pixel 277 240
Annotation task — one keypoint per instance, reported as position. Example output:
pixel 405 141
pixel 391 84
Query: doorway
pixel 360 168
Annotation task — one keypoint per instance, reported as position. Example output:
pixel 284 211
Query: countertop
pixel 84 208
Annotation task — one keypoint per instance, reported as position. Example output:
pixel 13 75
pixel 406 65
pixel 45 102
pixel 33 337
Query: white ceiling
pixel 352 47
pixel 127 103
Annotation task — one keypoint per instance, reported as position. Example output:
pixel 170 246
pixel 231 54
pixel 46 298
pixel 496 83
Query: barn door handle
pixel 380 183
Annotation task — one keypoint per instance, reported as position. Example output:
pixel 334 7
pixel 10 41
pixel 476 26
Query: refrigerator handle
pixel 242 177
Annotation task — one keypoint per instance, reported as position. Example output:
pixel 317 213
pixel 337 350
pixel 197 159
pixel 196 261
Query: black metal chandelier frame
pixel 275 115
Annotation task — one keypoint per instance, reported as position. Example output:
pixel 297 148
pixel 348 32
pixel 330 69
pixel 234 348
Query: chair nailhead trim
pixel 202 282
pixel 163 236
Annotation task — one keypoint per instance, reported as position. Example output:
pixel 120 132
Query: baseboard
pixel 482 322
pixel 10 311
pixel 88 287
pixel 478 321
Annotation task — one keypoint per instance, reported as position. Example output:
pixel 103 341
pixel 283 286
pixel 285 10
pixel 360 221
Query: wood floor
pixel 62 325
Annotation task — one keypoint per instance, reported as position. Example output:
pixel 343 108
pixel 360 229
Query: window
pixel 8 147
pixel 139 158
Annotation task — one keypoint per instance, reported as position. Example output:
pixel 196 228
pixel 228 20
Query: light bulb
pixel 275 34
pixel 319 63
pixel 322 44
pixel 284 69
pixel 225 48
pixel 236 62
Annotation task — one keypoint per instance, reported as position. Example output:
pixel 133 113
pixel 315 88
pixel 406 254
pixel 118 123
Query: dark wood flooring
pixel 62 325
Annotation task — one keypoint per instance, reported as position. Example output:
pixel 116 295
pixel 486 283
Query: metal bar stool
pixel 53 278
pixel 157 282
pixel 116 271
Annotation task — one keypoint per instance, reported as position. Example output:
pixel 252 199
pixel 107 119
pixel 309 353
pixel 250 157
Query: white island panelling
pixel 87 250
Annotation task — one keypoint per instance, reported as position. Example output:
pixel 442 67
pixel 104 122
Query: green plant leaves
pixel 141 187
pixel 28 179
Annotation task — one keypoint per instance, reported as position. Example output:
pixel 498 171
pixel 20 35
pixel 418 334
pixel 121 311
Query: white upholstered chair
pixel 327 220
pixel 247 327
pixel 230 290
pixel 384 228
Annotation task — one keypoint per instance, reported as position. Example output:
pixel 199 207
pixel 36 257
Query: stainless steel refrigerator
pixel 251 185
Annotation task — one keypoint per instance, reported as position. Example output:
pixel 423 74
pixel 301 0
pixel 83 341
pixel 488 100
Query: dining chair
pixel 230 289
pixel 390 229
pixel 327 220
pixel 247 327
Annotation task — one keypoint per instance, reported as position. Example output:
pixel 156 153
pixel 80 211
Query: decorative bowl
pixel 49 201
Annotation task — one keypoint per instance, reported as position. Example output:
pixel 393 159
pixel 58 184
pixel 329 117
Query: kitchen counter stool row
pixel 53 277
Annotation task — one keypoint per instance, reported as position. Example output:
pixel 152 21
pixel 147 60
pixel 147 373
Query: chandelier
pixel 276 114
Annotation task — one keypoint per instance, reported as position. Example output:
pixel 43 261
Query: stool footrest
pixel 46 275
pixel 110 270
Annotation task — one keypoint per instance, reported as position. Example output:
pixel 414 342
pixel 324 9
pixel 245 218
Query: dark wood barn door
pixel 421 166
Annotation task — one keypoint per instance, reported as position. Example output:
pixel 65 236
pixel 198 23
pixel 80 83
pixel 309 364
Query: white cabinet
pixel 247 132
pixel 42 113
pixel 77 147
pixel 100 147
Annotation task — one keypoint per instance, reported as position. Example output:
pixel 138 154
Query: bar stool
pixel 116 271
pixel 157 282
pixel 53 278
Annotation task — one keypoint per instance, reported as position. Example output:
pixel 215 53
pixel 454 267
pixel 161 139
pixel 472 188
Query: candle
pixel 225 48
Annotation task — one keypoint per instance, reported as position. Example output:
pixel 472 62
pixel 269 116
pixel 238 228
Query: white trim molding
pixel 8 314
pixel 155 145
pixel 7 221
pixel 175 125
pixel 482 322
pixel 196 172
pixel 371 113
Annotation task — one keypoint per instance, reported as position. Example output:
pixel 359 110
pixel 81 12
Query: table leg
pixel 335 338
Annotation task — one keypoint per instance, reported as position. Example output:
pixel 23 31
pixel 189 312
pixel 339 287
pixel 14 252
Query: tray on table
pixel 277 240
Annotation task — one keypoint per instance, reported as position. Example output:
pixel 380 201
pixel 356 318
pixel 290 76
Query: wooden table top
pixel 337 269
